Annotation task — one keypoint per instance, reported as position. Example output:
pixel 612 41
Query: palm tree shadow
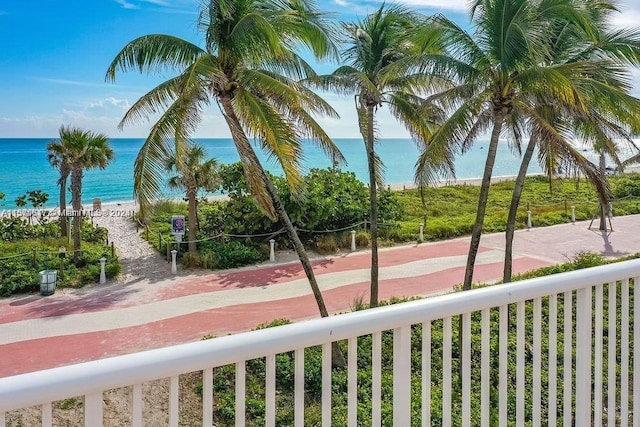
pixel 263 277
pixel 87 302
pixel 609 250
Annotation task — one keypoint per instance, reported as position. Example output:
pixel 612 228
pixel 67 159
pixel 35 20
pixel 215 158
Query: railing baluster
pixel 174 399
pixel 426 374
pixel 537 363
pixel 466 369
pixel 568 357
pixel 299 388
pixel 553 360
pixel 93 410
pixel 402 376
pixel 485 375
pixel 352 382
pixel 503 364
pixel 520 383
pixel 636 352
pixel 376 380
pixel 270 391
pixel 47 415
pixel 611 351
pixel 241 377
pixel 326 385
pixel 597 363
pixel 446 371
pixel 3 420
pixel 584 332
pixel 207 397
pixel 624 354
pixel 136 416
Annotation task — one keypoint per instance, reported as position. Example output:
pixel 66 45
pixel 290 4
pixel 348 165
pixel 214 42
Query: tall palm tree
pixel 192 174
pixel 372 47
pixel 611 115
pixel 84 150
pixel 499 71
pixel 58 158
pixel 249 67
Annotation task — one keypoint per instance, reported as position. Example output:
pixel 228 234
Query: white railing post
pixel 353 240
pixel 583 356
pixel 402 376
pixel 299 388
pixel 207 397
pixel 93 410
pixel 174 401
pixel 241 376
pixel 326 385
pixel 47 415
pixel 136 405
pixel 422 232
pixel 528 219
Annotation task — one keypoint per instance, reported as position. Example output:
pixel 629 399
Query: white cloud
pixel 126 5
pixel 341 3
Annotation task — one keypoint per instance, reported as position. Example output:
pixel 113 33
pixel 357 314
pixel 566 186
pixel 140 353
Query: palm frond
pixel 154 53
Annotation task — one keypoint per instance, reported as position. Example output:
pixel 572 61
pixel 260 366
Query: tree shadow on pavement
pixel 265 276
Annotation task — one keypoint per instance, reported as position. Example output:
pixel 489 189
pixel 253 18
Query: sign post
pixel 177 227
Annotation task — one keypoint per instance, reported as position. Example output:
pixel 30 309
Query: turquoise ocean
pixel 24 166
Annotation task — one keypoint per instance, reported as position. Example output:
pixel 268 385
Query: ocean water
pixel 24 166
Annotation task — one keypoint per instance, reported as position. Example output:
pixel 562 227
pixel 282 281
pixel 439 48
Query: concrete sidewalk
pixel 101 321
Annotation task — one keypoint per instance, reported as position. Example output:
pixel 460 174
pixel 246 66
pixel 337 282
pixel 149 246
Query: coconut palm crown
pixel 249 67
pixel 372 47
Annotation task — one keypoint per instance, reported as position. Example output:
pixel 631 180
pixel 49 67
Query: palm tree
pixel 84 150
pixel 57 157
pixel 373 46
pixel 249 67
pixel 499 71
pixel 193 174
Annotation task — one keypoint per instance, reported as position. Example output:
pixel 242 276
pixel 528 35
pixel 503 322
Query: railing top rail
pixel 75 380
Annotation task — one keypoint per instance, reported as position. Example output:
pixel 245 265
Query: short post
pixel 528 219
pixel 353 240
pixel 103 275
pixel 113 250
pixel 573 214
pixel 272 252
pixel 174 267
pixel 610 210
pixel 422 232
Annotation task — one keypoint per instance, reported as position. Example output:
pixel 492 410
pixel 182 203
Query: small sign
pixel 177 224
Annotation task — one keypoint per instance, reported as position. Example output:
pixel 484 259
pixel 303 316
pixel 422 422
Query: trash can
pixel 48 280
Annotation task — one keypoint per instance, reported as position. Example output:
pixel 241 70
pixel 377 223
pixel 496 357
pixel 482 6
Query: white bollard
pixel 103 276
pixel 422 232
pixel 610 210
pixel 528 219
pixel 353 240
pixel 174 267
pixel 573 214
pixel 272 253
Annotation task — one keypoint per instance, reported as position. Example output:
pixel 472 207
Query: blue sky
pixel 55 54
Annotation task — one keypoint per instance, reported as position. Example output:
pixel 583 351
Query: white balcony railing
pixel 584 376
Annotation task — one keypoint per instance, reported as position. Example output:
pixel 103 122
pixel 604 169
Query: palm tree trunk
pixel 373 200
pixel 64 231
pixel 76 202
pixel 513 210
pixel 193 224
pixel 245 149
pixel 482 200
pixel 603 205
